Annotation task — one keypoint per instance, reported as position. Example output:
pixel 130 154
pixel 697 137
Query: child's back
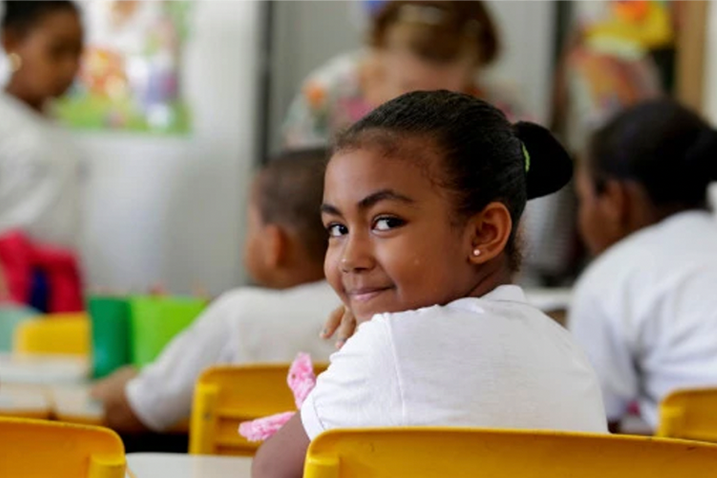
pixel 654 292
pixel 646 310
pixel 493 362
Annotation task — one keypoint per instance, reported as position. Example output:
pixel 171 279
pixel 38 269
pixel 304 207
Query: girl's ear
pixel 488 233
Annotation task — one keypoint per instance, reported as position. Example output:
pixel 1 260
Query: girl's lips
pixel 366 294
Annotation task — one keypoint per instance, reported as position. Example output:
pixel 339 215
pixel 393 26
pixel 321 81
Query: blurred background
pixel 177 102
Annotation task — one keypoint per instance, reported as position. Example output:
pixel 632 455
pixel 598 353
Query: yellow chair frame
pixel 39 448
pixel 689 414
pixel 460 452
pixel 54 334
pixel 225 396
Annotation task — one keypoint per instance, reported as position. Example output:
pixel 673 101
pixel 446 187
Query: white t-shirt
pixel 40 176
pixel 489 362
pixel 247 325
pixel 645 312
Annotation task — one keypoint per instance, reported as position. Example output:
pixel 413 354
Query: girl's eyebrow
pixel 369 201
pixel 329 209
pixel 383 195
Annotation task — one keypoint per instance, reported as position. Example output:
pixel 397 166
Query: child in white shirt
pixel 646 310
pixel 284 251
pixel 422 200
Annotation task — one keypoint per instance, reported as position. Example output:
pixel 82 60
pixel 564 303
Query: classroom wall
pixel 171 210
pixel 710 83
pixel 308 33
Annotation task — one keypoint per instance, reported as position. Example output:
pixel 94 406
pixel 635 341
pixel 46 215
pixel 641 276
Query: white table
pixel 44 369
pixel 168 465
pixel 548 299
pixel 73 404
pixel 28 401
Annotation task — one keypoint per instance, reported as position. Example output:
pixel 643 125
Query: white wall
pixel 171 210
pixel 308 33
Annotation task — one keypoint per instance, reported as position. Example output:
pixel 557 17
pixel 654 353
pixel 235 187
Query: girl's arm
pixel 282 456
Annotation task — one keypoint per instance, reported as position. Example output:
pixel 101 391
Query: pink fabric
pixel 19 255
pixel 301 381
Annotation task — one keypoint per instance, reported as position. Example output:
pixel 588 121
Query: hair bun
pixel 550 167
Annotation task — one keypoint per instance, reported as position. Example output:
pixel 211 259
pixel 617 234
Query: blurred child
pixel 422 202
pixel 40 169
pixel 284 252
pixel 646 310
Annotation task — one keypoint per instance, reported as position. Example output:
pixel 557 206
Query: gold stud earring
pixel 15 62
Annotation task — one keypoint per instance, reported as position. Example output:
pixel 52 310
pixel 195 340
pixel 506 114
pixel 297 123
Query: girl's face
pixel 392 245
pixel 599 214
pixel 50 51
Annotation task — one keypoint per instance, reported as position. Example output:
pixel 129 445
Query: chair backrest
pixel 38 448
pixel 458 453
pixel 54 334
pixel 225 396
pixel 690 414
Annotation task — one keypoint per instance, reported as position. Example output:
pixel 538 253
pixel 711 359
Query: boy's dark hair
pixel 289 192
pixel 22 15
pixel 485 157
pixel 442 39
pixel 663 146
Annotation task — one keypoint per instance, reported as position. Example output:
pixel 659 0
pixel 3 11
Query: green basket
pixel 109 317
pixel 155 320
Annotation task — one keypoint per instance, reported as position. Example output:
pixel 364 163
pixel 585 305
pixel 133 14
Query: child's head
pixel 432 45
pixel 653 160
pixel 286 241
pixel 423 197
pixel 43 40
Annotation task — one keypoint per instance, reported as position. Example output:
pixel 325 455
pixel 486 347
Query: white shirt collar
pixel 503 293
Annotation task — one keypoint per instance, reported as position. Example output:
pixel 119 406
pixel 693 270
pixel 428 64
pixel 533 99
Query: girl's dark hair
pixel 21 15
pixel 485 157
pixel 663 146
pixel 442 37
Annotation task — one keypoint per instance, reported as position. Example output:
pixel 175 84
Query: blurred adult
pixel 411 45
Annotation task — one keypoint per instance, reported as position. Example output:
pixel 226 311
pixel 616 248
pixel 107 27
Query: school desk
pixel 27 401
pixel 73 404
pixel 43 369
pixel 168 465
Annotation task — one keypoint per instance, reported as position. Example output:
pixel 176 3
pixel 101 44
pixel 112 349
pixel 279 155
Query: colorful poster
pixel 130 77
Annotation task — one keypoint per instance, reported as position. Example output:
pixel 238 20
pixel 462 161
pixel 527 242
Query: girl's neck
pixel 495 274
pixel 15 90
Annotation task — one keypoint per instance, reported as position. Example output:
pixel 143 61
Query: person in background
pixel 645 310
pixel 422 201
pixel 40 169
pixel 284 255
pixel 411 45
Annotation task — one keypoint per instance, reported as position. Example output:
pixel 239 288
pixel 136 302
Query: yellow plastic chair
pixel 690 414
pixel 458 453
pixel 38 448
pixel 54 334
pixel 225 396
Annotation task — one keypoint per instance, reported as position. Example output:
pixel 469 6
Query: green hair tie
pixel 526 155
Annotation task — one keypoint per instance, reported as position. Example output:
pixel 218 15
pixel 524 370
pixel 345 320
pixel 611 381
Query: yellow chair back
pixel 459 453
pixel 225 396
pixel 38 448
pixel 690 414
pixel 54 334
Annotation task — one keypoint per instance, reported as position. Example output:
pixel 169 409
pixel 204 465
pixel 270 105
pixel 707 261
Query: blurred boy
pixel 284 254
